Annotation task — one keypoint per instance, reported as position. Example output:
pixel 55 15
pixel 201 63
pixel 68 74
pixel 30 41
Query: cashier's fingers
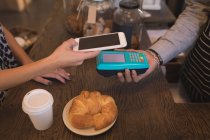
pixel 128 76
pixel 136 78
pixel 125 77
pixel 121 77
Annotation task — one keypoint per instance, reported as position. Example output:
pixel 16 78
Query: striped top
pixel 196 70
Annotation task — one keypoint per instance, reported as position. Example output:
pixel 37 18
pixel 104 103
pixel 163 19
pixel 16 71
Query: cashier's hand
pixel 64 56
pixel 130 76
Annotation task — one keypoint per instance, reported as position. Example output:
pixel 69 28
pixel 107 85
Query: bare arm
pixel 63 56
pixel 59 74
pixel 15 76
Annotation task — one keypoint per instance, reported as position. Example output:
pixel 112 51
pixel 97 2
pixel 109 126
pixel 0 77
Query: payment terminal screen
pixel 113 58
pixel 99 41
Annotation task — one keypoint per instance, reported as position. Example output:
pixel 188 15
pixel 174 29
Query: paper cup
pixel 38 104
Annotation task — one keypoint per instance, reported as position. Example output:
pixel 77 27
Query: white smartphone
pixel 101 42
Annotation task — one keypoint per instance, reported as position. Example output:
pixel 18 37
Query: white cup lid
pixel 37 100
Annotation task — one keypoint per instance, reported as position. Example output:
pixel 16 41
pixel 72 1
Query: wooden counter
pixel 146 109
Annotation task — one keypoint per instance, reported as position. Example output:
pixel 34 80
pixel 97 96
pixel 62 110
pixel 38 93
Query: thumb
pixel 69 43
pixel 88 55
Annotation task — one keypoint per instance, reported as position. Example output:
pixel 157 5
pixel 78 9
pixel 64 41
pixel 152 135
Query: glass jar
pixel 73 23
pixel 97 16
pixel 127 19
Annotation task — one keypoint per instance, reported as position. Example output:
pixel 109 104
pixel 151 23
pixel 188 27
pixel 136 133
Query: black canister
pixel 127 19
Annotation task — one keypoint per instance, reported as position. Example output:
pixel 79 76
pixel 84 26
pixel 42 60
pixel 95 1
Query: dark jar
pixel 127 19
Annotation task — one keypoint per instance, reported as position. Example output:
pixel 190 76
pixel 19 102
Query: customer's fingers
pixel 70 43
pixel 63 73
pixel 88 55
pixel 41 80
pixel 55 75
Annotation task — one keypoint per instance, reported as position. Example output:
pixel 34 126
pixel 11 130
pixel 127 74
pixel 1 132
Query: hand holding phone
pixel 101 42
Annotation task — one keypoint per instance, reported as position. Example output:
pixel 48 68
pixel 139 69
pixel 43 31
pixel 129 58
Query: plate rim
pixel 82 132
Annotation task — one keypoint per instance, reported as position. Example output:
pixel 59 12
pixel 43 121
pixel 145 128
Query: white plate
pixel 83 132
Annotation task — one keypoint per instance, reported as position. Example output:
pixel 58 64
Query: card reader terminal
pixel 109 63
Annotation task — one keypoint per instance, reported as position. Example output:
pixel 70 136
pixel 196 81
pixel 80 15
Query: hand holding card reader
pixel 109 63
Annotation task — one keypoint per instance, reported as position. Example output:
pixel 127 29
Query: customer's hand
pixel 59 74
pixel 130 76
pixel 64 56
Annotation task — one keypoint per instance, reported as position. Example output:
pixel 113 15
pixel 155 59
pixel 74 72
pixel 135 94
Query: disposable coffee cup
pixel 38 104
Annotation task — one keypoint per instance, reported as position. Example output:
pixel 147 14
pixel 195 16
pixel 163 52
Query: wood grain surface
pixel 146 109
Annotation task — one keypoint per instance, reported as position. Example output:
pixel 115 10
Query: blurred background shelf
pixel 32 14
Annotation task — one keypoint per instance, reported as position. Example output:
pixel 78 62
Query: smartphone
pixel 109 63
pixel 101 42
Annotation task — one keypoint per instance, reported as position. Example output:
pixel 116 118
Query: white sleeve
pixel 184 32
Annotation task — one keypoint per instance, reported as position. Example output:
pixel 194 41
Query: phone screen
pixel 99 41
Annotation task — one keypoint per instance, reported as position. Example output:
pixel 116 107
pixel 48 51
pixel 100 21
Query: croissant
pixel 92 109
